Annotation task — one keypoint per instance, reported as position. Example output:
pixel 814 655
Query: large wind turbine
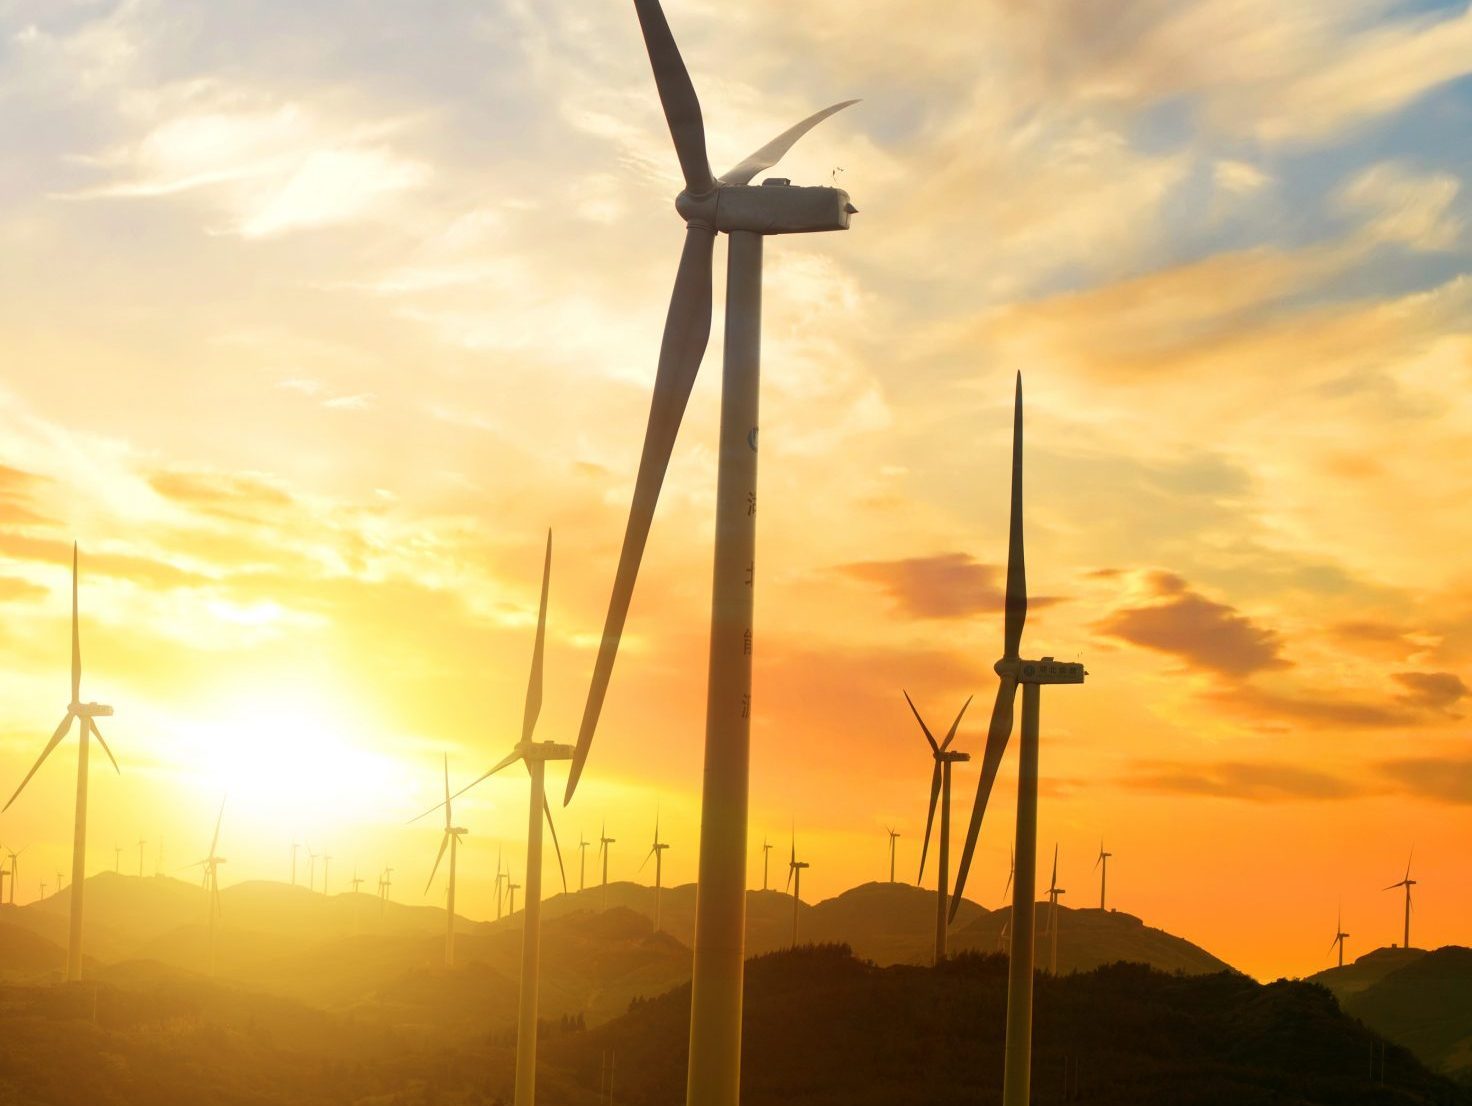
pixel 1053 892
pixel 766 856
pixel 794 884
pixel 1102 863
pixel 893 837
pixel 748 214
pixel 211 864
pixel 1012 670
pixel 1407 882
pixel 1339 935
pixel 535 755
pixel 86 715
pixel 603 842
pixel 940 790
pixel 657 852
pixel 449 840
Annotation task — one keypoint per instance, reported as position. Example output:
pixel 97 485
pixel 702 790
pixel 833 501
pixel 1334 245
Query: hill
pixel 823 1028
pixel 1422 1000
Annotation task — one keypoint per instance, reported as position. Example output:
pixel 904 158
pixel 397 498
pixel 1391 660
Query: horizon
pixel 369 322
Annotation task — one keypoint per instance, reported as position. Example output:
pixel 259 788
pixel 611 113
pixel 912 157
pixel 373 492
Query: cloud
pixel 12 587
pixel 16 489
pixel 1206 635
pixel 1328 707
pixel 122 566
pixel 1403 207
pixel 1253 781
pixel 240 497
pixel 1432 691
pixel 1445 779
pixel 943 585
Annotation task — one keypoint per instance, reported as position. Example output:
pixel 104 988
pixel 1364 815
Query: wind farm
pixel 319 324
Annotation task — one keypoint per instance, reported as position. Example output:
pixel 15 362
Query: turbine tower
pixel 86 715
pixel 501 879
pixel 450 839
pixel 311 868
pixel 1407 882
pixel 14 855
pixel 603 842
pixel 893 837
pixel 794 884
pixel 117 859
pixel 940 790
pixel 1053 892
pixel 710 205
pixel 141 843
pixel 535 755
pixel 657 851
pixel 1012 670
pixel 1102 863
pixel 511 889
pixel 766 856
pixel 211 864
pixel 1339 935
pixel 583 844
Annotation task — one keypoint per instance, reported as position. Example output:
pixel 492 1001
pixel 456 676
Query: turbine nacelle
pixel 90 710
pixel 1045 671
pixel 774 207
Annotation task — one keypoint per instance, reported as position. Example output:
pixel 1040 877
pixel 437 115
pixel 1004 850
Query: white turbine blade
pixel 76 634
pixel 444 844
pixel 103 742
pixel 556 848
pixel 214 841
pixel 66 724
pixel 776 149
pixel 447 790
pixel 534 681
pixel 934 748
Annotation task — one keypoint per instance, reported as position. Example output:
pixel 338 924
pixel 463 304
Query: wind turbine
pixel 1407 882
pixel 940 789
pixel 14 855
pixel 603 842
pixel 501 879
pixel 1006 930
pixel 1053 892
pixel 1012 670
pixel 794 884
pixel 141 843
pixel 355 881
pixel 1339 935
pixel 766 856
pixel 211 864
pixel 450 840
pixel 893 837
pixel 326 871
pixel 86 715
pixel 582 861
pixel 748 214
pixel 117 859
pixel 657 851
pixel 511 889
pixel 388 883
pixel 1102 863
pixel 535 755
pixel 311 868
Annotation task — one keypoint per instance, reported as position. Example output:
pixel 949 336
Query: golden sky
pixel 316 317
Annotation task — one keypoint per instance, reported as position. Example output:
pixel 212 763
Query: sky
pixel 316 318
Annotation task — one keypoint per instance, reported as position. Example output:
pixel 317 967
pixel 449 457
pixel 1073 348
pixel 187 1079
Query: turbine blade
pixel 929 818
pixel 509 759
pixel 447 790
pixel 66 724
pixel 776 149
pixel 534 681
pixel 1016 602
pixel 934 748
pixel 686 331
pixel 444 844
pixel 790 869
pixel 1053 882
pixel 102 741
pixel 76 634
pixel 997 737
pixel 951 735
pixel 556 848
pixel 646 859
pixel 676 96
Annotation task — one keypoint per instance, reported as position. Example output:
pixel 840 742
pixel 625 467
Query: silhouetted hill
pixel 1366 971
pixel 1091 938
pixel 823 1028
pixel 27 956
pixel 888 923
pixel 1424 1004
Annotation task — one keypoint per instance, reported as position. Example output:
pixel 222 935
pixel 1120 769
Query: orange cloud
pixel 1256 782
pixel 942 585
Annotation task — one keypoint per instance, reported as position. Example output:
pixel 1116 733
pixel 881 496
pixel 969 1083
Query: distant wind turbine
pixel 311 868
pixel 1007 925
pixel 86 715
pixel 710 205
pixel 117 859
pixel 1054 891
pixel 893 837
pixel 211 864
pixel 940 791
pixel 1102 864
pixel 657 852
pixel 1407 882
pixel 1339 936
pixel 603 842
pixel 355 881
pixel 583 844
pixel 450 840
pixel 1012 670
pixel 766 856
pixel 141 843
pixel 502 878
pixel 794 884
pixel 14 855
pixel 511 889
pixel 535 755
